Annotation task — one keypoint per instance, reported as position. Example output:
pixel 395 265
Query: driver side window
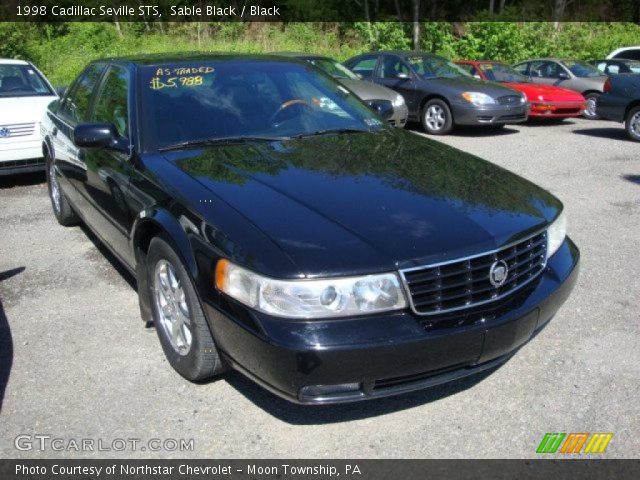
pixel 546 69
pixel 392 66
pixel 75 106
pixel 522 68
pixel 112 103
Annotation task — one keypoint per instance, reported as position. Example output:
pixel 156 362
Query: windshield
pixel 209 100
pixel 581 69
pixel 430 66
pixel 22 81
pixel 499 72
pixel 333 68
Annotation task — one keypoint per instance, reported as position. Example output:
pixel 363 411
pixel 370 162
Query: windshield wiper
pixel 330 131
pixel 206 142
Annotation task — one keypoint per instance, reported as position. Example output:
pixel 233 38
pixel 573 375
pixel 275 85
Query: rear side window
pixel 631 54
pixel 612 69
pixel 112 102
pixel 364 66
pixel 75 106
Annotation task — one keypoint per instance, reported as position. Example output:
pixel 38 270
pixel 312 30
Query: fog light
pixel 311 392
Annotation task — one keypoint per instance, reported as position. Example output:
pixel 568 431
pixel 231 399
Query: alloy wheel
pixel 634 125
pixel 172 308
pixel 590 111
pixel 435 117
pixel 54 187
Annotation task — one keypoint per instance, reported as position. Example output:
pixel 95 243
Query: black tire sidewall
pixel 448 124
pixel 627 124
pixel 190 366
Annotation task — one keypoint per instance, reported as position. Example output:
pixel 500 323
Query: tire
pixel 436 117
pixel 590 111
pixel 632 124
pixel 63 211
pixel 176 308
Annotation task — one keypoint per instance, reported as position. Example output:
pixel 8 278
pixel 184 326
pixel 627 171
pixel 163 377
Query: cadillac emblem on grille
pixel 4 132
pixel 498 273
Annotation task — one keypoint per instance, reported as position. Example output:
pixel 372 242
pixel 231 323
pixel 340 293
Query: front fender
pixel 154 220
pixel 149 223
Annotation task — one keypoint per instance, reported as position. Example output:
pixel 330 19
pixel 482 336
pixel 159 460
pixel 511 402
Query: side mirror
pixel 359 75
pixel 98 135
pixel 54 105
pixel 60 91
pixel 402 76
pixel 563 75
pixel 384 108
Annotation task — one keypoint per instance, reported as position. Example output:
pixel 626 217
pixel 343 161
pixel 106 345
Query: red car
pixel 546 100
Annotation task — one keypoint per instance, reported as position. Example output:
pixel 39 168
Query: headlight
pixel 398 101
pixel 524 98
pixel 334 297
pixel 478 98
pixel 556 233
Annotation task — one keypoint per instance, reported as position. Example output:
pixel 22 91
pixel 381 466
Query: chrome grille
pixel 17 130
pixel 464 283
pixel 509 100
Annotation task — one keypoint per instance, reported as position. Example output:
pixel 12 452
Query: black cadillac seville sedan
pixel 276 225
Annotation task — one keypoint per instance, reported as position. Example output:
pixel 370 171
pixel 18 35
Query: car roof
pixel 298 55
pixel 153 59
pixel 13 61
pixel 550 59
pixel 406 53
pixel 480 61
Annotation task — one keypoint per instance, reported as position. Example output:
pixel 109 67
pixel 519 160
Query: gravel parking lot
pixel 76 362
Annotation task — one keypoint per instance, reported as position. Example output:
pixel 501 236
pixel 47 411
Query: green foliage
pixel 61 50
pixel 14 38
pixel 383 35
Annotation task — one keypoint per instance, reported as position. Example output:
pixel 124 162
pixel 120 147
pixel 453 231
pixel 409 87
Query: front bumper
pixel 343 360
pixel 400 116
pixel 21 157
pixel 468 114
pixel 557 109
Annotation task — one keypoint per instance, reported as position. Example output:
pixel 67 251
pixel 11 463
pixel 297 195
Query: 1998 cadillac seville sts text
pixel 277 226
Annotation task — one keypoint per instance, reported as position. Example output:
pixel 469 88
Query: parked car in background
pixel 440 94
pixel 616 66
pixel 321 252
pixel 572 74
pixel 630 53
pixel 547 101
pixel 24 96
pixel 367 91
pixel 621 102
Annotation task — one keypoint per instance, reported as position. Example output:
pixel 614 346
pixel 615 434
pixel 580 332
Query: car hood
pixel 23 109
pixel 368 90
pixel 367 202
pixel 548 92
pixel 467 84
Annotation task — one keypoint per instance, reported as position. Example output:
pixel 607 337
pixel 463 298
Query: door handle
pixel 54 131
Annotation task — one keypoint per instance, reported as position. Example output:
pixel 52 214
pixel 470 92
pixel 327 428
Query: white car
pixel 25 94
pixel 629 53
